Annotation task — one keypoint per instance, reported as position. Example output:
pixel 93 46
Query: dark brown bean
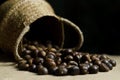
pixel 31 47
pixel 103 68
pixel 58 60
pixel 72 63
pixel 74 70
pixel 42 53
pixel 94 69
pixel 32 68
pixel 42 70
pixel 106 61
pixel 60 71
pixel 113 62
pixel 84 68
pixel 38 60
pixel 23 66
pixel 68 58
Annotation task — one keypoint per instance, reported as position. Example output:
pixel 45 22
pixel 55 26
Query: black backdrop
pixel 98 19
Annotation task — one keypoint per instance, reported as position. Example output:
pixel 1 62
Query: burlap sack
pixel 16 16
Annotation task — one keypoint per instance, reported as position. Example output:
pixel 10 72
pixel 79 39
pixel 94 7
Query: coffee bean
pixel 38 60
pixel 106 61
pixel 113 62
pixel 42 70
pixel 52 70
pixel 58 54
pixel 23 66
pixel 39 48
pixel 64 64
pixel 22 61
pixel 94 58
pixel 66 52
pixel 103 68
pixel 50 63
pixel 58 60
pixel 72 63
pixel 31 47
pixel 32 68
pixel 61 71
pixel 74 70
pixel 51 56
pixel 53 50
pixel 68 58
pixel 103 57
pixel 97 62
pixel 94 69
pixel 25 52
pixel 42 53
pixel 84 68
pixel 30 61
pixel 77 57
pixel 27 57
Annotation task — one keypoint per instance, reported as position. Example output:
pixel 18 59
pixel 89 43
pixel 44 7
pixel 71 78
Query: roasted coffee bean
pixel 72 63
pixel 61 71
pixel 31 47
pixel 51 56
pixel 103 68
pixel 42 70
pixel 27 57
pixel 106 61
pixel 50 63
pixel 32 68
pixel 64 64
pixel 113 62
pixel 66 52
pixel 23 66
pixel 52 70
pixel 38 60
pixel 58 54
pixel 58 60
pixel 25 52
pixel 42 46
pixel 94 69
pixel 42 53
pixel 97 62
pixel 103 57
pixel 68 58
pixel 77 57
pixel 30 61
pixel 40 49
pixel 94 58
pixel 22 61
pixel 75 53
pixel 53 50
pixel 84 68
pixel 73 70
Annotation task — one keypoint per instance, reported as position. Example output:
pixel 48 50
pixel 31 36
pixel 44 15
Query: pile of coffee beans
pixel 50 59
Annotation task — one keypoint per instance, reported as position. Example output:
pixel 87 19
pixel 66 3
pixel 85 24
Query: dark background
pixel 98 19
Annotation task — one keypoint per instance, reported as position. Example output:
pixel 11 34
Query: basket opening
pixel 44 29
pixel 71 37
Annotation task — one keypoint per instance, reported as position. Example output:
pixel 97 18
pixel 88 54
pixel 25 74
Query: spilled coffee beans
pixel 50 59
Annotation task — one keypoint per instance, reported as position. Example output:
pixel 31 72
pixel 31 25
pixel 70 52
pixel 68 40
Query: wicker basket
pixel 16 16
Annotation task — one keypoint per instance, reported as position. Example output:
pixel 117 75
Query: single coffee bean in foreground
pixel 50 59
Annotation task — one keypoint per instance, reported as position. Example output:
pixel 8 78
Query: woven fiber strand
pixel 16 17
